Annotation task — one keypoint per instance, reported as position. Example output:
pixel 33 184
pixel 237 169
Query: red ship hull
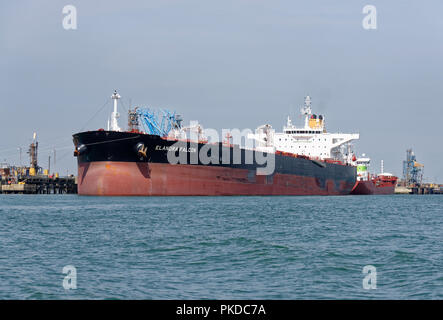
pixel 112 178
pixel 379 185
pixel 114 163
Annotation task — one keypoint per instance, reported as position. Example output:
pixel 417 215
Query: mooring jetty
pixel 33 179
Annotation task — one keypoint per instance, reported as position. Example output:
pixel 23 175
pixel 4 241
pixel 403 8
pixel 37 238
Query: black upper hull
pixel 96 146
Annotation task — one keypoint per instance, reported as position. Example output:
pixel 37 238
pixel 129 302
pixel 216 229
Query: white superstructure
pixel 363 164
pixel 311 140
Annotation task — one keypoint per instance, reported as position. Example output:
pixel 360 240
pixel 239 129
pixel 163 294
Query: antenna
pixel 306 110
pixel 20 150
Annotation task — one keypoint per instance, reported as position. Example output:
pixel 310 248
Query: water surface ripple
pixel 221 247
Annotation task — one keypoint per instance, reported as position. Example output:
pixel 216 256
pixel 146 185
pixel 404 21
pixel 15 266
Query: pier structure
pixel 33 179
pixel 427 188
pixel 41 185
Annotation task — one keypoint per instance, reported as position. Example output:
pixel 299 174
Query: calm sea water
pixel 221 247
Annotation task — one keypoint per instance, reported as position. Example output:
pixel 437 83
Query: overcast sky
pixel 228 64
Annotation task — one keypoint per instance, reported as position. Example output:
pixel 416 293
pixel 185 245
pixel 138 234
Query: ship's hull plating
pixel 109 165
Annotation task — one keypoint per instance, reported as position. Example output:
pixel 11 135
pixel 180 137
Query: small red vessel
pixel 383 183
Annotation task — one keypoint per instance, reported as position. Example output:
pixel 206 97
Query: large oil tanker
pixel 168 159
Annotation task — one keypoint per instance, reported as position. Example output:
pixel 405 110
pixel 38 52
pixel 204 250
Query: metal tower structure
pixel 133 123
pixel 412 170
pixel 33 150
